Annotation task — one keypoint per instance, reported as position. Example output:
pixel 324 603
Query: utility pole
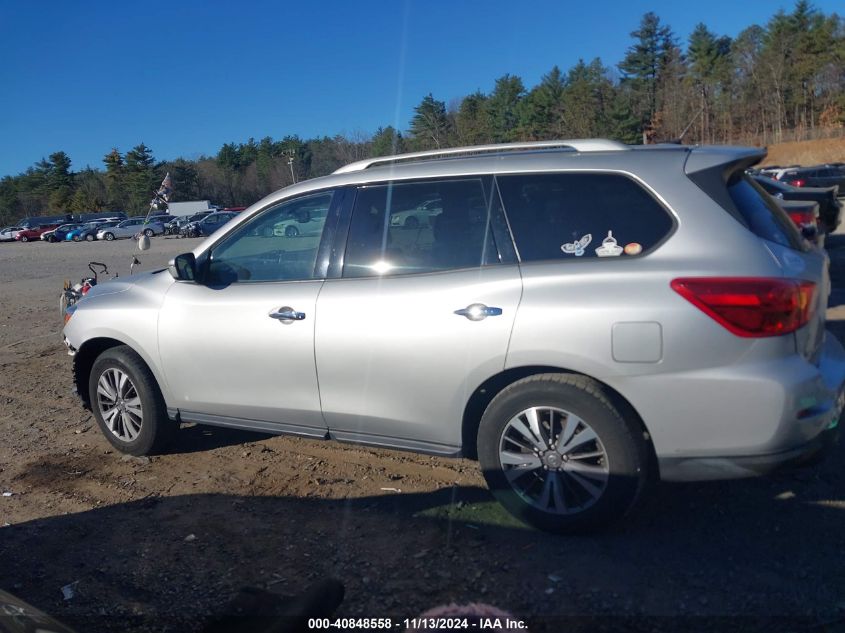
pixel 291 154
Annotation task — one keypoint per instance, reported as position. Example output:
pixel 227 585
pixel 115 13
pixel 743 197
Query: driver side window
pixel 279 244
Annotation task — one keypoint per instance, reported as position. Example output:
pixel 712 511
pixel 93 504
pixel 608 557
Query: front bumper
pixel 810 435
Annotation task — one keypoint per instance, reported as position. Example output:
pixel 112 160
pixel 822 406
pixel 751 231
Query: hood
pixel 121 284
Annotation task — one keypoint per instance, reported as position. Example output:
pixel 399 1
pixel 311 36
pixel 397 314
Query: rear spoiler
pixel 710 167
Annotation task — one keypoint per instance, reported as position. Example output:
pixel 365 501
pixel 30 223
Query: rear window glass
pixel 762 214
pixel 576 215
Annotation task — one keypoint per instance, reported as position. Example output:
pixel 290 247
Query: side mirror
pixel 183 267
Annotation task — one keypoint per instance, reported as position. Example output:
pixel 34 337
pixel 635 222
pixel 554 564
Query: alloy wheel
pixel 119 404
pixel 553 460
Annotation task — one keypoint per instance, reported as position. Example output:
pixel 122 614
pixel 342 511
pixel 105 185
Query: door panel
pixel 241 344
pixel 394 360
pixel 224 355
pixel 396 364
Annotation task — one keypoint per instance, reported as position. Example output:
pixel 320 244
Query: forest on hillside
pixel 784 80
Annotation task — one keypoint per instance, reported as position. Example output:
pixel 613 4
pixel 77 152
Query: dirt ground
pixel 160 544
pixel 826 150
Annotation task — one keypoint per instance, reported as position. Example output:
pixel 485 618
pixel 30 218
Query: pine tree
pixel 503 108
pixel 140 178
pixel 429 126
pixel 541 112
pixel 642 67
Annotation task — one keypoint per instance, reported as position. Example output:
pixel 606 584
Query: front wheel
pixel 24 238
pixel 128 404
pixel 557 454
pixel 291 231
pixel 76 238
pixel 90 237
pixel 149 232
pixel 109 237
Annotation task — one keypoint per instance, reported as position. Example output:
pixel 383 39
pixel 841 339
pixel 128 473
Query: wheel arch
pixel 86 356
pixel 490 388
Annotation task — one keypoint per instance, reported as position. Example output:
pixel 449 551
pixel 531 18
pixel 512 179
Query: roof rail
pixel 578 145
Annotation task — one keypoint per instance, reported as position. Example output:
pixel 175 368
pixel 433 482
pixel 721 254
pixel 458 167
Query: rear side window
pixel 419 227
pixel 564 216
pixel 762 214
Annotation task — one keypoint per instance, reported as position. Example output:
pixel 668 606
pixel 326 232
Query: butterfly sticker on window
pixel 577 247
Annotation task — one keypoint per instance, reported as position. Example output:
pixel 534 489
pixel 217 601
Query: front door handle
pixel 286 313
pixel 478 312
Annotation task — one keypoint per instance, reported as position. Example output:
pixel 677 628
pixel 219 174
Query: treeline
pixel 784 79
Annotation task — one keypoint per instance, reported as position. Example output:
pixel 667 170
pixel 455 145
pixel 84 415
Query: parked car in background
pixel 124 229
pixel 34 233
pixel 60 233
pixel 76 234
pixel 152 226
pixel 307 221
pixel 830 209
pixel 177 223
pixel 818 176
pixel 89 233
pixel 423 215
pixel 9 233
pixel 209 224
pixel 607 314
pixel 805 215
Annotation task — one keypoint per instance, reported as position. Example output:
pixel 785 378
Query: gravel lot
pixel 161 544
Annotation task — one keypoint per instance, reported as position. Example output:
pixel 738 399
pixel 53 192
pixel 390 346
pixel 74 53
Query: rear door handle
pixel 478 312
pixel 286 313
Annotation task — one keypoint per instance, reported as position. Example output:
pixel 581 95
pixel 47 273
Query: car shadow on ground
pixel 741 555
pixel 195 438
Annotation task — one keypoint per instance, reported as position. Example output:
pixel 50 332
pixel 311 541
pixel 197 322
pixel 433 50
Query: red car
pixel 35 233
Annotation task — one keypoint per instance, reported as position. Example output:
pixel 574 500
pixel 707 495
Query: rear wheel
pixel 149 232
pixel 90 237
pixel 558 455
pixel 128 404
pixel 76 238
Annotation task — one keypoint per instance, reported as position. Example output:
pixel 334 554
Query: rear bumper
pixel 803 436
pixel 739 467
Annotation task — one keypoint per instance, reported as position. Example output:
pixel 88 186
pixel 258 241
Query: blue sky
pixel 186 76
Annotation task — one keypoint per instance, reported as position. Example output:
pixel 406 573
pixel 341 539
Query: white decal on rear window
pixel 577 247
pixel 609 247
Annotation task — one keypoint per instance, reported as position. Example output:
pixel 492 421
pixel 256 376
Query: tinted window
pixel 762 214
pixel 402 228
pixel 564 216
pixel 279 244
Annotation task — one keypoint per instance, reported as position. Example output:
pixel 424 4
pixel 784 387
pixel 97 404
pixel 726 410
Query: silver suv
pixel 579 315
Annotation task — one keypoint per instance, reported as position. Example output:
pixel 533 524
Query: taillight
pixel 751 307
pixel 803 218
pixel 798 182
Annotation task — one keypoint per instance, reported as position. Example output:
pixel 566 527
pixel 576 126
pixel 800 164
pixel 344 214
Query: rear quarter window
pixel 577 215
pixel 762 215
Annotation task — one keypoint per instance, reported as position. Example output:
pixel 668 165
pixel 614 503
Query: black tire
pixel 156 428
pixel 625 451
pixel 109 237
pixel 149 232
pixel 52 239
pixel 291 231
pixel 90 237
